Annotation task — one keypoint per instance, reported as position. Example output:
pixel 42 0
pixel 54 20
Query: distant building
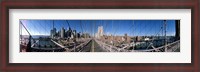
pixel 86 35
pixel 146 39
pixel 139 38
pixel 62 32
pixel 58 34
pixel 96 35
pixel 74 34
pixel 69 33
pixel 100 32
pixel 126 37
pixel 79 35
pixel 53 33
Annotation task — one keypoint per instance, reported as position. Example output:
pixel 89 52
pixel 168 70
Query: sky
pixel 114 27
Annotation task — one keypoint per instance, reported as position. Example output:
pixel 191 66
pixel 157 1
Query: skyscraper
pixel 53 32
pixel 74 33
pixel 62 32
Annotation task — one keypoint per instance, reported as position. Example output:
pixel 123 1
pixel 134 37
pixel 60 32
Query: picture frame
pixel 97 4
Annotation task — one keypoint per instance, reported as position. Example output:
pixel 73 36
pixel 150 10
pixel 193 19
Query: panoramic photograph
pixel 99 35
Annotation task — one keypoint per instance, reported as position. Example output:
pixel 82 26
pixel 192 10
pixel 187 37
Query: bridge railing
pixel 171 47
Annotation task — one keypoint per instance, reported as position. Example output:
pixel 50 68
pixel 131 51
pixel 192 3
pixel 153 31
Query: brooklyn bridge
pixel 96 40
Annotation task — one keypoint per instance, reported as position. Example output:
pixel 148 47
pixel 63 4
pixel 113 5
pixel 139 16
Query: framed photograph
pixel 143 36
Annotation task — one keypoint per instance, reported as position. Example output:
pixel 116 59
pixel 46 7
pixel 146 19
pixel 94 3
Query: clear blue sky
pixel 114 27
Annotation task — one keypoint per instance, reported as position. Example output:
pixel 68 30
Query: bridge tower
pixel 177 25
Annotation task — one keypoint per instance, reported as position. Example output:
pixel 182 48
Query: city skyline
pixel 110 27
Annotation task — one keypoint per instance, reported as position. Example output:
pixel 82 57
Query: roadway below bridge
pixel 92 46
